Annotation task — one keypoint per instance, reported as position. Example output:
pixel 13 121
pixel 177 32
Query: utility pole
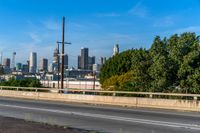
pixel 63 52
pixel 58 56
pixel 94 79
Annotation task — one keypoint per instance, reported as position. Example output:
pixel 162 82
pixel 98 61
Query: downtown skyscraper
pixel 84 58
pixel 33 62
pixel 44 65
pixel 85 62
pixel 66 61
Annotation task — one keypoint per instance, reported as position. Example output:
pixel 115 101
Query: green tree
pixel 158 47
pixel 116 65
pixel 162 72
pixel 141 61
pixel 189 68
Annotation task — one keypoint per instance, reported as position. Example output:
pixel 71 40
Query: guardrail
pixel 109 93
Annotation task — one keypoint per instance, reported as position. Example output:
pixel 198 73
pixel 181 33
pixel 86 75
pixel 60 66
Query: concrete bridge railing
pixel 176 101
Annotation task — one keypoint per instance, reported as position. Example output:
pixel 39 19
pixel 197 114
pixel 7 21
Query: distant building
pixel 28 63
pixel 79 62
pixel 66 61
pixel 1 56
pixel 85 62
pixel 91 61
pixel 25 68
pixel 44 65
pixel 33 62
pixel 50 67
pixel 96 67
pixel 77 74
pixel 55 56
pixel 53 67
pixel 1 70
pixel 13 61
pixel 19 66
pixel 103 60
pixel 6 66
pixel 6 62
pixel 84 58
pixel 116 49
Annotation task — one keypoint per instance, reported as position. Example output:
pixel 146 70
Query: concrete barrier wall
pixel 189 105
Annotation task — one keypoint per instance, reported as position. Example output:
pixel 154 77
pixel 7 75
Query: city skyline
pixel 35 26
pixel 38 64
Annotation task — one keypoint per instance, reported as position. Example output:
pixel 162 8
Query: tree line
pixel 170 65
pixel 26 82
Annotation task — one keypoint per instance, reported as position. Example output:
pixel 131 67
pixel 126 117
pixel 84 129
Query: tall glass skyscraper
pixel 84 58
pixel 33 62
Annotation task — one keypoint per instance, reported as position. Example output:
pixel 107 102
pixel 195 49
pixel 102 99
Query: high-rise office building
pixel 91 61
pixel 28 63
pixel 116 49
pixel 6 62
pixel 19 66
pixel 33 62
pixel 103 60
pixel 79 62
pixel 55 56
pixel 84 58
pixel 66 61
pixel 44 65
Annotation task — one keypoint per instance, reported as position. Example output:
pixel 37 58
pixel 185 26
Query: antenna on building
pixel 13 60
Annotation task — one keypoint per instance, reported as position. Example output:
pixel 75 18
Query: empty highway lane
pixel 102 118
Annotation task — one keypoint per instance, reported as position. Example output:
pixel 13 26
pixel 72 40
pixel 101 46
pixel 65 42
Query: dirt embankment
pixel 12 125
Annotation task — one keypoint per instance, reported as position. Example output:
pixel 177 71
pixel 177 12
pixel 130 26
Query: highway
pixel 102 118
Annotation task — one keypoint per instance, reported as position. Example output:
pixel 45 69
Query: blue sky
pixel 35 25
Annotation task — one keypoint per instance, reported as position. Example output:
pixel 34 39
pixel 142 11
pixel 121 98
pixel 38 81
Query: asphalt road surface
pixel 101 118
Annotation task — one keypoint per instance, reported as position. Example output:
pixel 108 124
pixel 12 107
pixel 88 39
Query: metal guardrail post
pixel 195 98
pixel 150 96
pixel 114 94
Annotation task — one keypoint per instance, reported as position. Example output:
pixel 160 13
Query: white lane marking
pixel 118 118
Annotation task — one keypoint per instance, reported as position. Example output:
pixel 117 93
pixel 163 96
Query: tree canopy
pixel 170 65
